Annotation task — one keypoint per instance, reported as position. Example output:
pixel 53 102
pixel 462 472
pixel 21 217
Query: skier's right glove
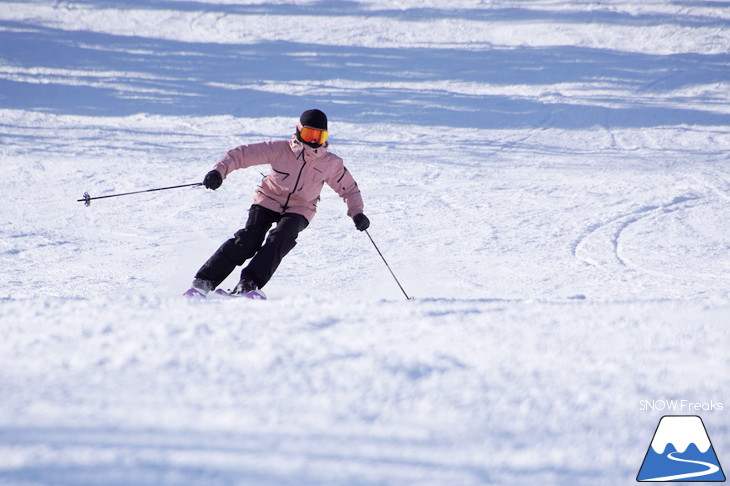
pixel 213 180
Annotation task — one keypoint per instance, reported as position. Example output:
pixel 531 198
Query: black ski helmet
pixel 314 119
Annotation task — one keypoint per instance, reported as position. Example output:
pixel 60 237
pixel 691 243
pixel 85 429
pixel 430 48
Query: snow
pixel 680 432
pixel 548 179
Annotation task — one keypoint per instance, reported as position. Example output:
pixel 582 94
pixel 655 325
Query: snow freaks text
pixel 680 406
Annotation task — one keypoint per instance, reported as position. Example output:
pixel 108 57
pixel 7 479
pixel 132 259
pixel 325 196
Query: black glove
pixel 213 180
pixel 361 222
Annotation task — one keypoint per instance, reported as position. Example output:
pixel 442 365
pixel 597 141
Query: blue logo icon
pixel 681 451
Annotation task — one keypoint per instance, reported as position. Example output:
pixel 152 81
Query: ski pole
pixel 386 264
pixel 86 199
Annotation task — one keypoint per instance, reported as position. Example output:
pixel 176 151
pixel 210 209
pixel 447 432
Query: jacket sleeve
pixel 344 184
pixel 244 156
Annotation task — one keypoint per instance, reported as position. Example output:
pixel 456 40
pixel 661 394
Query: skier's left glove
pixel 361 222
pixel 213 180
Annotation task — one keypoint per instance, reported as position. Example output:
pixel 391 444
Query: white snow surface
pixel 549 179
pixel 680 431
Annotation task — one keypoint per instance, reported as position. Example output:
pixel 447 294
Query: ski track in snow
pixel 550 181
pixel 711 469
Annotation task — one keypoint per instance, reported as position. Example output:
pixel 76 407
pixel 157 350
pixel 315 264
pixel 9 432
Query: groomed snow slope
pixel 548 179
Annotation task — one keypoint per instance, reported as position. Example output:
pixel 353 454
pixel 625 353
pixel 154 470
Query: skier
pixel 287 197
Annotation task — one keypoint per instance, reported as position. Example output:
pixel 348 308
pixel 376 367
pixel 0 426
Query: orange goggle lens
pixel 313 135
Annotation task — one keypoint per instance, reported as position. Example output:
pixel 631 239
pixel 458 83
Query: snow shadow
pixel 87 456
pixel 86 73
pixel 113 457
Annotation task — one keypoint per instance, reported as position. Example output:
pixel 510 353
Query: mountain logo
pixel 680 451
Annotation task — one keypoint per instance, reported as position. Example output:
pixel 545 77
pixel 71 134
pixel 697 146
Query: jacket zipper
pixel 299 176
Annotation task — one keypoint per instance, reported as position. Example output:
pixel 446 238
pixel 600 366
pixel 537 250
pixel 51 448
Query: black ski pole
pixel 86 199
pixel 386 264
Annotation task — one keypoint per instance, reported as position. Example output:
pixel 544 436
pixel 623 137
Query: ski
pixel 257 294
pixel 194 293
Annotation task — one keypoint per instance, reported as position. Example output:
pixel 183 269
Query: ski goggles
pixel 312 135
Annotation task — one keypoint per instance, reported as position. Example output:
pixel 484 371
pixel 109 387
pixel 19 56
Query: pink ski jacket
pixel 298 173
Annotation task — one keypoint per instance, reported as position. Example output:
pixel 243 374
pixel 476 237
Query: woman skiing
pixel 286 197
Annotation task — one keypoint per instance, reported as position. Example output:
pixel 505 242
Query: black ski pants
pixel 249 243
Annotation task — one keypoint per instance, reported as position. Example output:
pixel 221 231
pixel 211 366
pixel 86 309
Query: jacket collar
pixel 309 152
